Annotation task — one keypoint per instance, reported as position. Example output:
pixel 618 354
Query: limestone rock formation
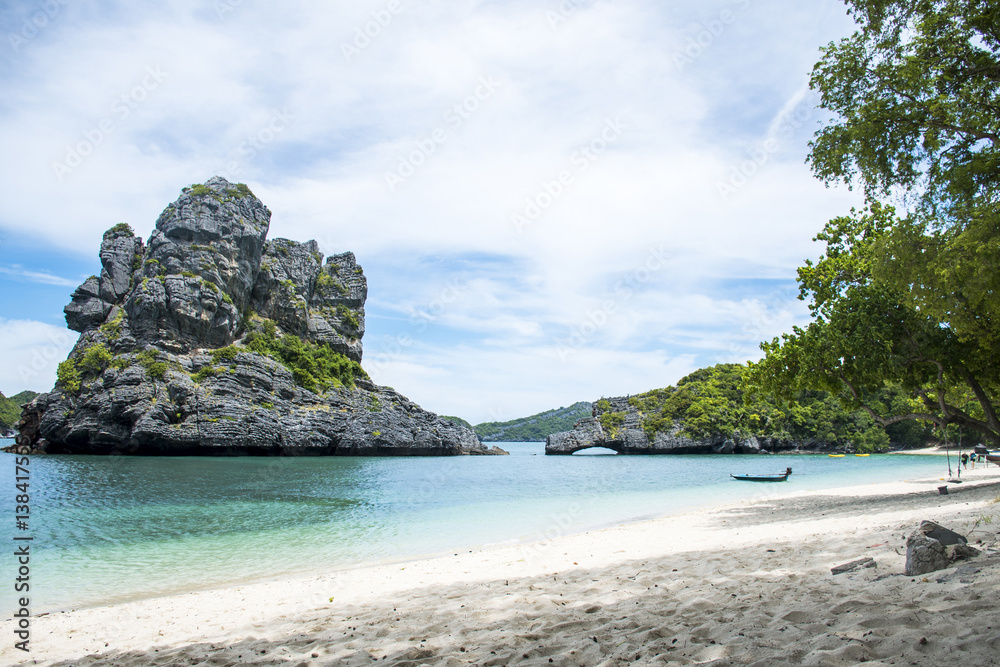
pixel 616 424
pixel 211 339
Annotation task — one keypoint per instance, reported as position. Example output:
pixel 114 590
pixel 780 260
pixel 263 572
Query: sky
pixel 553 201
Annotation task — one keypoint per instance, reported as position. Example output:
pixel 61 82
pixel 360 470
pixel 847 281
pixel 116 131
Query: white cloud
pixel 684 172
pixel 40 277
pixel 31 352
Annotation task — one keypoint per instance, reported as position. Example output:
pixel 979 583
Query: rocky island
pixel 210 339
pixel 714 411
pixel 617 424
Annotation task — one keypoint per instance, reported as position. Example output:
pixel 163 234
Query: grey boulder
pixel 932 547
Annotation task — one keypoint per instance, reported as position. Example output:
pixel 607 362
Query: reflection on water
pixel 114 528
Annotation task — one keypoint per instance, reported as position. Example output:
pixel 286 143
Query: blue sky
pixel 552 201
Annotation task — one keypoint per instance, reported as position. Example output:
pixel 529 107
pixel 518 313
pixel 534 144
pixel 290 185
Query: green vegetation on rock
pixel 349 317
pixel 204 373
pixel 612 422
pixel 239 191
pixel 148 360
pixel 120 228
pixel 315 366
pixel 324 279
pixel 457 420
pixel 112 328
pixel 95 359
pixel 225 354
pixel 67 376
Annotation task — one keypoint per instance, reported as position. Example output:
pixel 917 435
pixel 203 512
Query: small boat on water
pixel 836 456
pixel 862 454
pixel 780 477
pixel 993 458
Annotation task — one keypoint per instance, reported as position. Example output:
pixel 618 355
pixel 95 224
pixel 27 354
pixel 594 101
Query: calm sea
pixel 109 529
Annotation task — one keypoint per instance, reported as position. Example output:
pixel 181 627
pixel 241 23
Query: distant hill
pixel 10 409
pixel 534 428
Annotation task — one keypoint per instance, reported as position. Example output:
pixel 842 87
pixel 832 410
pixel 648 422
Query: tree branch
pixel 984 401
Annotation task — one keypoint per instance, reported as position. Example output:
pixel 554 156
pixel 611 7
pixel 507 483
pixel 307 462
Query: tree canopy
pixel 916 97
pixel 909 298
pixel 712 401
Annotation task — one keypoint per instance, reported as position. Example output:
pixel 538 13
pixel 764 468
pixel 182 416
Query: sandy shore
pixel 745 584
pixel 953 451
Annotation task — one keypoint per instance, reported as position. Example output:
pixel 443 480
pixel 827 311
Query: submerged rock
pixel 213 340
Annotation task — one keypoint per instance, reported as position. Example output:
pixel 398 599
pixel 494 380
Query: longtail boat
pixel 780 477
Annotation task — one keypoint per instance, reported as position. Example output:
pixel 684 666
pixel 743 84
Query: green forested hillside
pixel 10 408
pixel 713 400
pixel 534 428
pixel 457 420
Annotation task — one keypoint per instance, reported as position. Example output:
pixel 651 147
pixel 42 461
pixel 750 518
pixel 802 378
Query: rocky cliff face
pixel 210 339
pixel 617 425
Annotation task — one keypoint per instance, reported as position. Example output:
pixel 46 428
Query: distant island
pixel 10 411
pixel 535 428
pixel 709 412
pixel 210 339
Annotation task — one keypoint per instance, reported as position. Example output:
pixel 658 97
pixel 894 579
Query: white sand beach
pixel 746 584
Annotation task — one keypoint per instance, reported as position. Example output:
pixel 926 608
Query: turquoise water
pixel 109 529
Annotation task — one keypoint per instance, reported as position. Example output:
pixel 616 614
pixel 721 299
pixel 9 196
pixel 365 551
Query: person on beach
pixel 965 460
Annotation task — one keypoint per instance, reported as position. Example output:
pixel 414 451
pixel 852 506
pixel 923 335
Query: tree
pixel 916 91
pixel 909 300
pixel 865 338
